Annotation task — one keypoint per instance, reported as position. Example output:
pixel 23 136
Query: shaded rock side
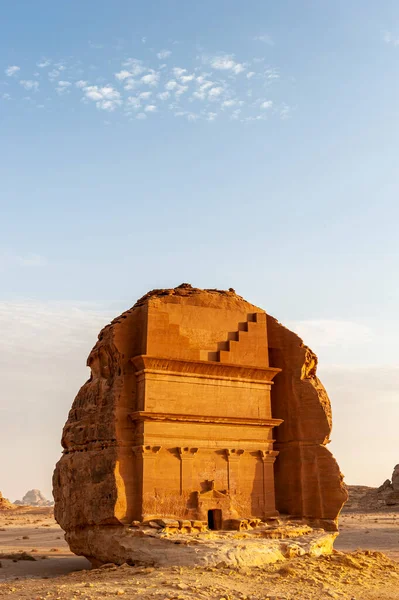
pixel 314 488
pixel 395 479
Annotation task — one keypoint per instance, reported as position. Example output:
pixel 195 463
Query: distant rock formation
pixel 34 498
pixel 395 479
pixel 5 504
pixel 364 498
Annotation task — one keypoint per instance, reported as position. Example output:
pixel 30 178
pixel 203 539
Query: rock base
pixel 147 546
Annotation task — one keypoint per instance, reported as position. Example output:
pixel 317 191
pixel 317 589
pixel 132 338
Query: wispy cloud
pixel 42 64
pixel 266 104
pixel 13 70
pixel 151 78
pixel 106 98
pixel 11 260
pixel 391 39
pixel 62 87
pixel 265 38
pixel 164 54
pixel 30 84
pixel 204 87
pixel 226 62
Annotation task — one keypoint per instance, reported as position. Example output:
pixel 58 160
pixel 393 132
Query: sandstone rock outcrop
pixel 188 391
pixel 395 479
pixel 308 480
pixel 34 498
pixel 5 504
pixel 366 499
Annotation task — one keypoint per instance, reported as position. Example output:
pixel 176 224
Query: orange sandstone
pixel 192 397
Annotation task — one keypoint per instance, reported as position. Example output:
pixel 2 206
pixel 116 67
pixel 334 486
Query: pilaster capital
pixel 267 455
pixel 146 451
pixel 233 453
pixel 185 453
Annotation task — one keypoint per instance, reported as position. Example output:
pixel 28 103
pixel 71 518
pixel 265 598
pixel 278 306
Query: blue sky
pixel 228 144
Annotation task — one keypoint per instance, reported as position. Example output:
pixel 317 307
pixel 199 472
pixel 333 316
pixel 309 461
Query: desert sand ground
pixel 56 573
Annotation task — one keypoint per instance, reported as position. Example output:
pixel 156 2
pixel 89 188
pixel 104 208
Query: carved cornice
pixel 201 419
pixel 203 368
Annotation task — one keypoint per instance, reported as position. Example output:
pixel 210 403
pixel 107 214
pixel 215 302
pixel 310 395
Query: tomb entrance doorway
pixel 215 519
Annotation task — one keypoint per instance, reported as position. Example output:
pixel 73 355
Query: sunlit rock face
pixel 200 407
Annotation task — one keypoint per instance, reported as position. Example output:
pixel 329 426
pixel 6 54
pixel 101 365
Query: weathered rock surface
pixel 149 546
pixel 5 504
pixel 363 498
pixel 309 483
pixel 34 498
pixel 395 479
pixel 96 483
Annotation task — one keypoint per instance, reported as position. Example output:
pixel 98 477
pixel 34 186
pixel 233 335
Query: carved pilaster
pixel 186 456
pixel 233 456
pixel 268 457
pixel 146 455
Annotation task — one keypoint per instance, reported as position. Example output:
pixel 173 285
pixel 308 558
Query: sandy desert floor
pixel 357 571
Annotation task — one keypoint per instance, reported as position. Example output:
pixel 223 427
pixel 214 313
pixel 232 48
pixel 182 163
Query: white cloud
pixel 141 116
pixel 62 87
pixel 285 112
pixel 164 54
pixel 229 103
pixel 43 63
pixel 122 75
pixel 130 84
pixel 389 38
pixel 135 66
pixel 267 104
pixel 272 73
pixel 145 95
pixel 106 97
pixel 54 73
pixel 81 83
pixel 150 108
pixel 250 74
pixel 13 70
pixel 265 38
pixel 186 78
pixel 30 84
pixel 178 72
pixel 215 92
pixel 133 102
pixel 171 85
pixel 211 116
pixel 6 96
pixel 181 89
pixel 226 62
pixel 164 95
pixel 151 78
